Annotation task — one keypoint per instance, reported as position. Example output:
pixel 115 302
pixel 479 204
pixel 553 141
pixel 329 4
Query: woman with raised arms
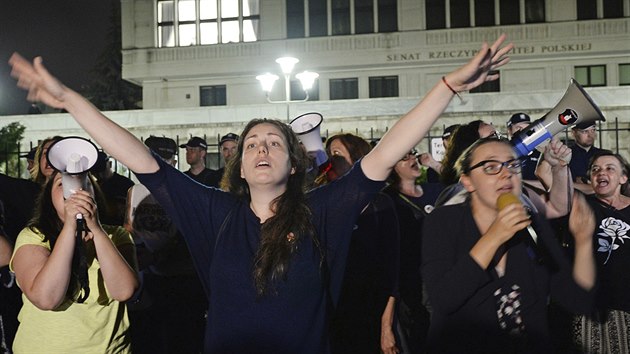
pixel 266 251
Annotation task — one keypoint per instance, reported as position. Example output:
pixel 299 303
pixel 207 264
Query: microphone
pixel 506 199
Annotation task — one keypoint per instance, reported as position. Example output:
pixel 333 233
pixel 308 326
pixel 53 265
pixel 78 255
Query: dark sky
pixel 68 34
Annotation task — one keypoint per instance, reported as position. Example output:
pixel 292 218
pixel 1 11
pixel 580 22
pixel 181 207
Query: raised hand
pixel 40 84
pixel 581 220
pixel 481 67
pixel 556 153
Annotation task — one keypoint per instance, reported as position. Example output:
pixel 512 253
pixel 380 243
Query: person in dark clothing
pixel 363 320
pixel 10 294
pixel 263 246
pixel 607 330
pixel 515 124
pixel 114 188
pixel 488 280
pixel 582 151
pixel 169 314
pixel 228 148
pixel 413 203
pixel 196 150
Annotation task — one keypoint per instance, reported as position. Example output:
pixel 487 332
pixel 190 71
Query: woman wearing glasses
pixel 488 280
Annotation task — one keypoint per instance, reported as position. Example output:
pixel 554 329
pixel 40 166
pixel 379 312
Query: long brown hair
pixel 46 221
pixel 281 234
pixel 36 171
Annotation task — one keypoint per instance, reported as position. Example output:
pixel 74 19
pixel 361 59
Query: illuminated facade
pixel 197 60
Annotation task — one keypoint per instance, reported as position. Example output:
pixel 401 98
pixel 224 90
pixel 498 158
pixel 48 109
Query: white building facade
pixel 197 62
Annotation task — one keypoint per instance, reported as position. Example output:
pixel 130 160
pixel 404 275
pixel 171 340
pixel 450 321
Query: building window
pixel 460 13
pixel 317 18
pixel 363 16
pixel 509 12
pixel 534 11
pixel 488 86
pixel 387 16
pixel 624 74
pixel 435 14
pixel 483 11
pixel 295 19
pixel 212 95
pixel 383 86
pixel 613 8
pixel 586 9
pixel 200 22
pixel 340 17
pixel 343 89
pixel 589 76
pixel 297 92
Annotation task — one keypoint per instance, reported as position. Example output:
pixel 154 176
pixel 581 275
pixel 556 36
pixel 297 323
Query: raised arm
pixel 414 125
pixel 117 141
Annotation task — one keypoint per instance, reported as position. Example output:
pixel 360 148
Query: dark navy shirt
pixel 528 171
pixel 294 319
pixel 580 159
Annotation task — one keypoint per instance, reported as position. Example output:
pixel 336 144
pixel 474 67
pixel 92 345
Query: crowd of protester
pixel 386 250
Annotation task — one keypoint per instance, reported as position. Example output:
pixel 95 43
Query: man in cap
pixel 515 124
pixel 584 134
pixel 196 150
pixel 165 147
pixel 228 145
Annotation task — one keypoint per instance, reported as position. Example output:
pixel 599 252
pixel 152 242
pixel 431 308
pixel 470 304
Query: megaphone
pixel 306 126
pixel 576 106
pixel 73 157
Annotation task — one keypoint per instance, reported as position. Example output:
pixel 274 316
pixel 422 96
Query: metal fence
pixel 612 134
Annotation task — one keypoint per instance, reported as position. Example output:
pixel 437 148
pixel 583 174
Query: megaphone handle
pixel 80 225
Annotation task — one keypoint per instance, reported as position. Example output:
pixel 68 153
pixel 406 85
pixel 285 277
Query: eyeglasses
pixel 493 167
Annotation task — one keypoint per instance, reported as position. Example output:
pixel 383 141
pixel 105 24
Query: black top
pixel 612 254
pixel 18 196
pixel 579 161
pixel 115 191
pixel 411 212
pixel 528 171
pixel 370 278
pixel 207 177
pixel 294 320
pixel 462 294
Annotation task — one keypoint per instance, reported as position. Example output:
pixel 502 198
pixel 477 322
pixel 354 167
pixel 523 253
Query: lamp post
pixel 307 79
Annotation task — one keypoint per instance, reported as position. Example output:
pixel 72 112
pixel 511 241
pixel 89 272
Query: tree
pixel 107 90
pixel 10 136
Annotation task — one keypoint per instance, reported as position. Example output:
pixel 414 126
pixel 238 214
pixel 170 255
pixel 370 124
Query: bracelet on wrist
pixel 451 88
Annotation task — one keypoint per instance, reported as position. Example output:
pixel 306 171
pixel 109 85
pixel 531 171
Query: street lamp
pixel 307 79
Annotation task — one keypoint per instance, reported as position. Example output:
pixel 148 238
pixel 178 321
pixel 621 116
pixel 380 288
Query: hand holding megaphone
pixel 80 208
pixel 576 106
pixel 73 157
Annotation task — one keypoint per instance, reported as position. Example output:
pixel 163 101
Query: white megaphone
pixel 73 157
pixel 306 126
pixel 576 106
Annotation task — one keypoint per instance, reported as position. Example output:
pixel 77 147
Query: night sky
pixel 68 34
